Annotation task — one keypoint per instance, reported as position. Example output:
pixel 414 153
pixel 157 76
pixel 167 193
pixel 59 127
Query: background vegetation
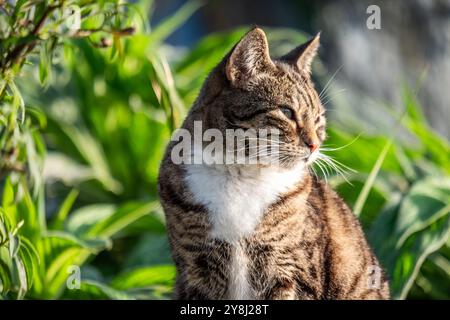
pixel 85 116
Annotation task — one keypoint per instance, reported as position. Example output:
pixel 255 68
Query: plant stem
pixel 17 52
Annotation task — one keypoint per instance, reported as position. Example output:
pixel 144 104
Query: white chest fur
pixel 237 197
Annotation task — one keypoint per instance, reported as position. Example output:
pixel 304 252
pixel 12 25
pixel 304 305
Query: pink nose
pixel 313 146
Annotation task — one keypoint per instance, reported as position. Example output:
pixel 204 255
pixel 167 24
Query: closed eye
pixel 319 117
pixel 249 116
pixel 320 129
pixel 287 111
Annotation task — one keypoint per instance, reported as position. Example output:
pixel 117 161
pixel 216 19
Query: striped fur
pixel 263 231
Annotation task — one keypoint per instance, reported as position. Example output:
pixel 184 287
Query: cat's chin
pixel 313 157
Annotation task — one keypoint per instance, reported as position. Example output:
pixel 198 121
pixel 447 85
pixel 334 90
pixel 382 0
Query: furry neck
pixel 237 196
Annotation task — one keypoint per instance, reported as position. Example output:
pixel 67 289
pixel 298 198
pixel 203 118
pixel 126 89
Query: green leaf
pixel 414 226
pixel 14 244
pixel 93 245
pixel 5 270
pixel 359 204
pixel 170 24
pixel 62 251
pixel 434 277
pixel 170 100
pixel 64 210
pixel 144 277
pixel 5 226
pixel 91 290
pixel 427 202
pixel 30 259
pixel 150 249
pixel 57 270
pixel 82 219
pixel 17 102
pixel 414 252
pixel 8 194
pixel 122 218
pixel 38 115
pixel 92 153
pixel 45 63
pixel 20 277
pixel 18 7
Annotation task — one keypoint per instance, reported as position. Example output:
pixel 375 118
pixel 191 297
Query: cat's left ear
pixel 249 58
pixel 303 56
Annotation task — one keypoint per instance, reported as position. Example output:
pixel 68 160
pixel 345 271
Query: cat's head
pixel 250 90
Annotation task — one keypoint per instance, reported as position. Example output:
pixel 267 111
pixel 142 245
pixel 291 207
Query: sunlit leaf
pixel 144 277
pixel 93 290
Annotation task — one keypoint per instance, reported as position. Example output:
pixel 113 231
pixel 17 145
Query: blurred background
pixel 86 115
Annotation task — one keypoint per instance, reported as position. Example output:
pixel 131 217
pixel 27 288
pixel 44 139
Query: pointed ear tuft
pixel 248 58
pixel 303 56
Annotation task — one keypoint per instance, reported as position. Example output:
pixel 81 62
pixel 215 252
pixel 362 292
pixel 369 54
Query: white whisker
pixel 329 82
pixel 337 166
pixel 344 146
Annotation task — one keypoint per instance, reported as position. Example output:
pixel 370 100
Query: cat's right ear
pixel 303 56
pixel 248 58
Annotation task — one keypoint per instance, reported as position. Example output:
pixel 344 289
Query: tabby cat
pixel 264 231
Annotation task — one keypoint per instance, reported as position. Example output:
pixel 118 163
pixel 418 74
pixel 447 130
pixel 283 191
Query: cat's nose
pixel 312 143
pixel 313 146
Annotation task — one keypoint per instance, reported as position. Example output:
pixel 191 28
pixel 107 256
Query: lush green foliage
pixel 402 195
pixel 102 124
